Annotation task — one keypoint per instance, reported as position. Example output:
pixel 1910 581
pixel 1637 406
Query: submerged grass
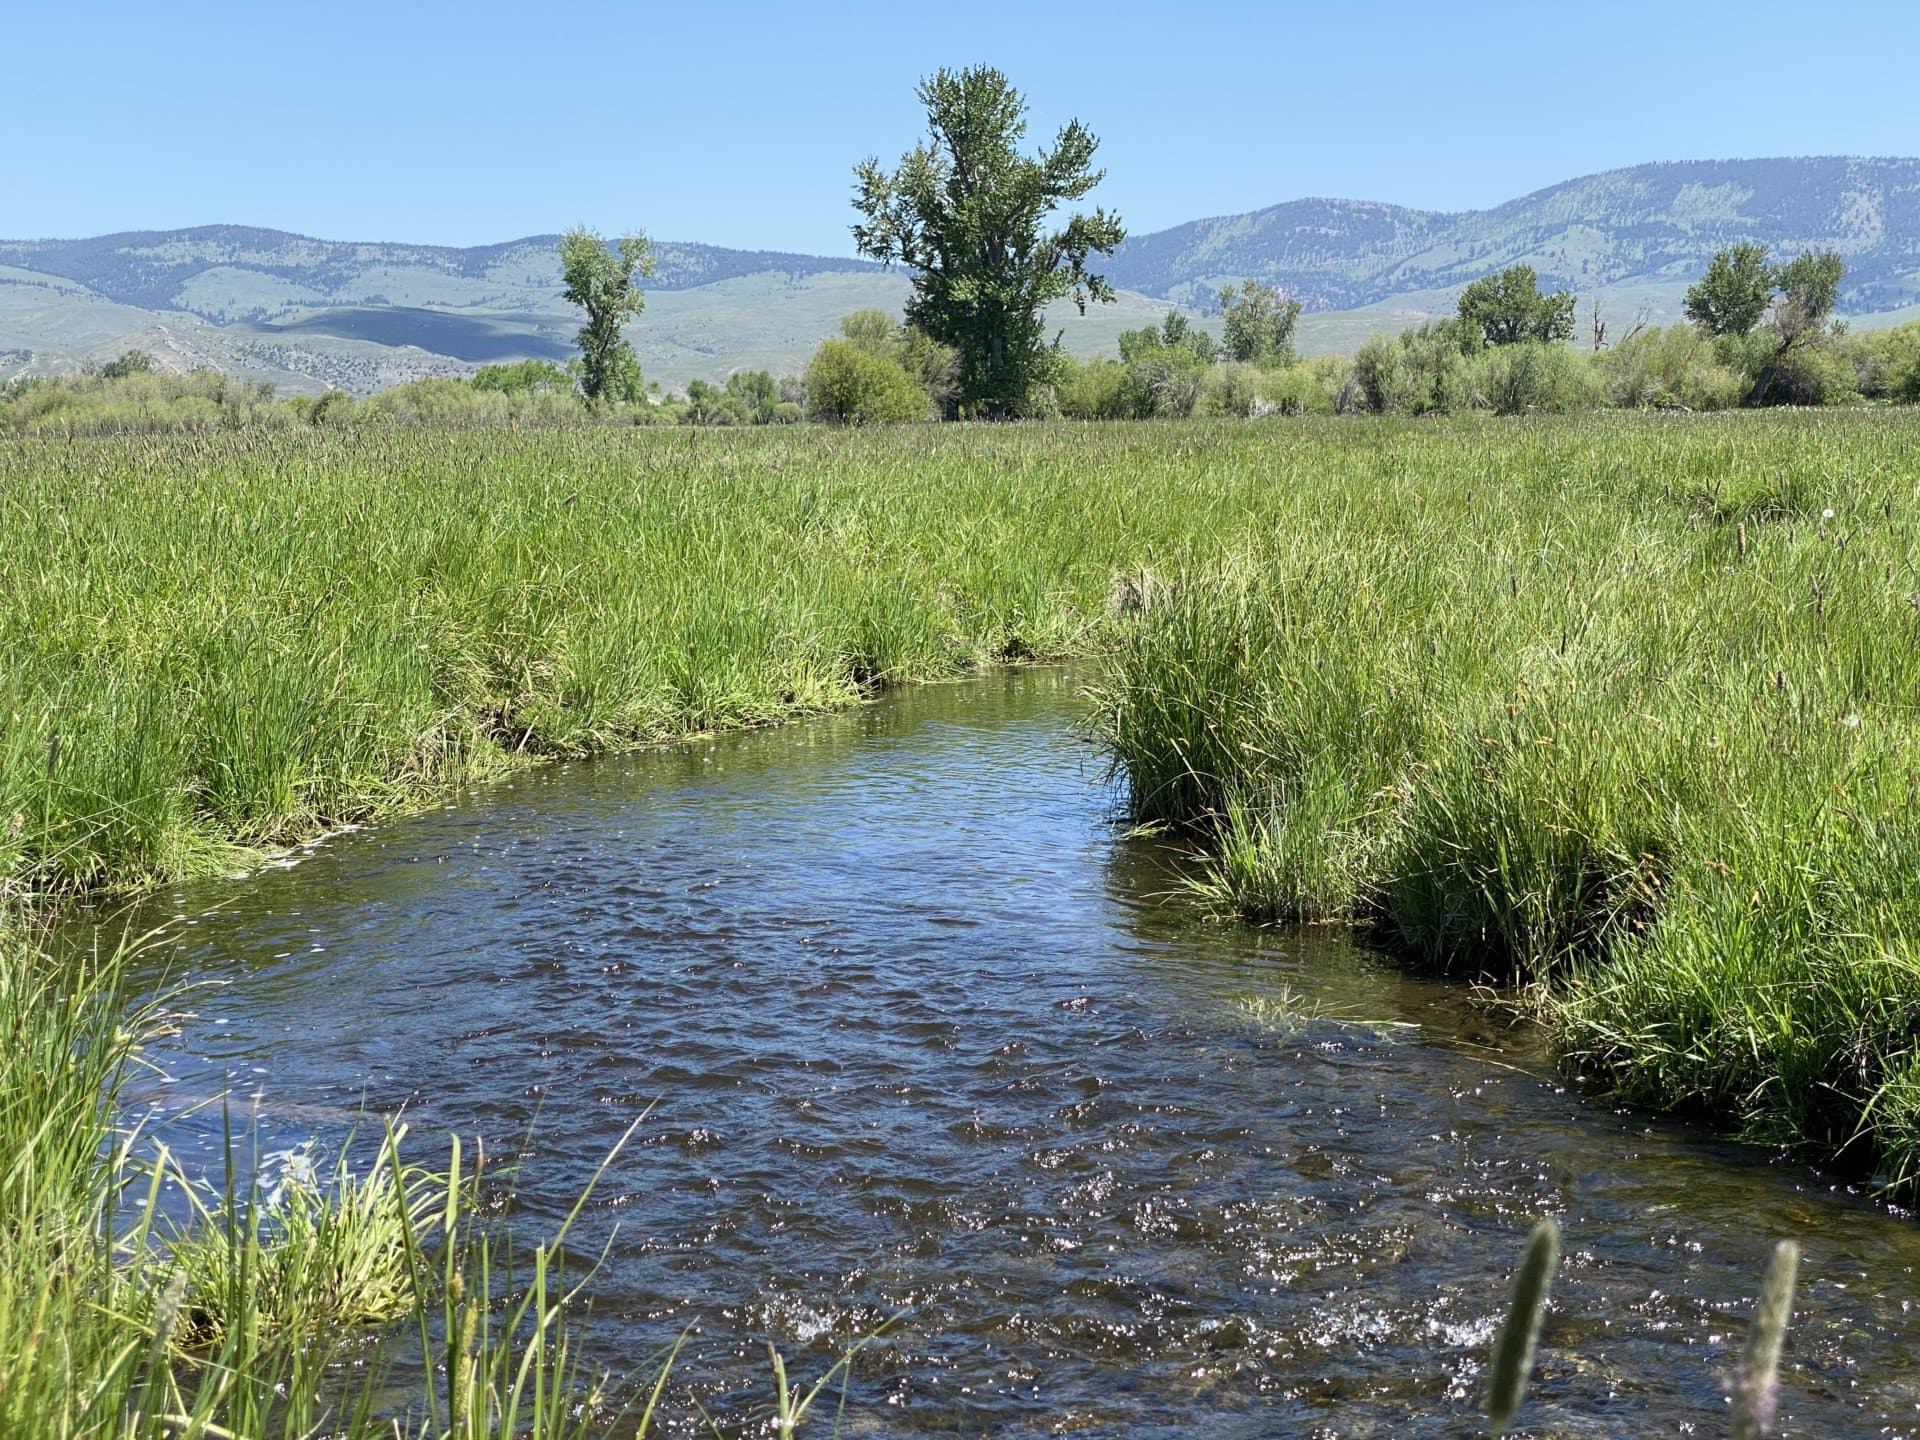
pixel 1630 711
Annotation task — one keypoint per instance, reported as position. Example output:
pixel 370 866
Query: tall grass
pixel 1610 703
pixel 268 1312
pixel 235 640
pixel 1624 709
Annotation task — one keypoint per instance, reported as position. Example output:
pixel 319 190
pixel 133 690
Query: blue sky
pixel 739 124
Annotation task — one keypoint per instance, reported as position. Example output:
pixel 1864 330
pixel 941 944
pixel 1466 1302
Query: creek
pixel 915 1031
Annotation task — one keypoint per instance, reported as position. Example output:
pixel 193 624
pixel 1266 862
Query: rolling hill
pixel 310 313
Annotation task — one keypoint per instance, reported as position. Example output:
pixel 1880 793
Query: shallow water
pixel 925 1037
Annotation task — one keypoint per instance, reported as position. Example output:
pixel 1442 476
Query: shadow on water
pixel 925 1038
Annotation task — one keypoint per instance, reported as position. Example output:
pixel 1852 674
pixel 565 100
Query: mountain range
pixel 310 313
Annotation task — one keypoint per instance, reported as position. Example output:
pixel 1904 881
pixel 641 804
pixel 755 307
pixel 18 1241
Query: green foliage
pixel 131 362
pixel 850 384
pixel 750 397
pixel 600 280
pixel 1508 308
pixel 1886 362
pixel 1259 323
pixel 1672 368
pixel 965 211
pixel 1092 389
pixel 1175 332
pixel 143 402
pixel 1531 376
pixel 1802 366
pixel 1644 742
pixel 1809 289
pixel 1418 372
pixel 522 375
pixel 1733 296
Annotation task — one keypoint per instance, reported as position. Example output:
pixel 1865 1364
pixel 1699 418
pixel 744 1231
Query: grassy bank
pixel 1612 703
pixel 236 640
pixel 134 1307
pixel 1627 710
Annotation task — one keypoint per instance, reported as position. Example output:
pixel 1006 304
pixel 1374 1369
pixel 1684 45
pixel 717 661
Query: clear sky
pixel 739 123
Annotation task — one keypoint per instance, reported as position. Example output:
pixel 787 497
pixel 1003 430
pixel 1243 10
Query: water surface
pixel 924 1037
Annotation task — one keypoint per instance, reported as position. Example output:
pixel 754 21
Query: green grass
pixel 1611 704
pixel 270 1313
pixel 1624 708
pixel 240 639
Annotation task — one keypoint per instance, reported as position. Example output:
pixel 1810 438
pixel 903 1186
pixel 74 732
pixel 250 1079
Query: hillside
pixel 309 313
pixel 1649 226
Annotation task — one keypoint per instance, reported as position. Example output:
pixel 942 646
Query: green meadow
pixel 1618 710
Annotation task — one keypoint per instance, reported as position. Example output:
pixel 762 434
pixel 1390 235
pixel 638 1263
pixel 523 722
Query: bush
pixel 1239 389
pixel 848 384
pixel 1672 368
pixel 1091 389
pixel 1313 387
pixel 1532 376
pixel 1416 372
pixel 140 402
pixel 522 375
pixel 1886 363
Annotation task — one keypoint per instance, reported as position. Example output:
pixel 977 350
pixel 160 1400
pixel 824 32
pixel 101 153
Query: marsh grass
pixel 132 1306
pixel 1627 711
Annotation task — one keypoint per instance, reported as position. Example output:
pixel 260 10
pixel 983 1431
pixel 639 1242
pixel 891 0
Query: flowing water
pixel 917 1034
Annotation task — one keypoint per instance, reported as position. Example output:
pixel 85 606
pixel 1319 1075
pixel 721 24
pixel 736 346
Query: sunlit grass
pixel 1633 710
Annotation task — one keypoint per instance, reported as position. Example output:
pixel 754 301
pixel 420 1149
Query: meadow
pixel 1618 707
pixel 1621 713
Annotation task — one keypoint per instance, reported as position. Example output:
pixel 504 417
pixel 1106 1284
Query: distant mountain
pixel 310 313
pixel 212 270
pixel 1651 224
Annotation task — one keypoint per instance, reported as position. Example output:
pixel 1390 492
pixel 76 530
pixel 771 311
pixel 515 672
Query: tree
pixel 1733 295
pixel 1809 289
pixel 1259 322
pixel 965 211
pixel 131 362
pixel 599 279
pixel 1798 369
pixel 1175 332
pixel 1508 308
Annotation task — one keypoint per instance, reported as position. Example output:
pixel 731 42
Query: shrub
pixel 1672 368
pixel 848 384
pixel 1886 363
pixel 522 375
pixel 1528 376
pixel 1091 389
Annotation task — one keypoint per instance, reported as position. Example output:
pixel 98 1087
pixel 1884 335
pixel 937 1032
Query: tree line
pixel 989 241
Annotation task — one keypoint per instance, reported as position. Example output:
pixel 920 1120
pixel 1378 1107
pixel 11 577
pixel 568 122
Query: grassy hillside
pixel 310 314
pixel 1649 225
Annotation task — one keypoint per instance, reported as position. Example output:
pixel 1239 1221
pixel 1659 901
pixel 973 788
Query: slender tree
pixel 599 278
pixel 967 213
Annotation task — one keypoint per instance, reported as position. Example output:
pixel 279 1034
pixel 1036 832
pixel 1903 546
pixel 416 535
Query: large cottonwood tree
pixel 969 215
pixel 599 278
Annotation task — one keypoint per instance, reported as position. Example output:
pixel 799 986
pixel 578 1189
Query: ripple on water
pixel 918 1038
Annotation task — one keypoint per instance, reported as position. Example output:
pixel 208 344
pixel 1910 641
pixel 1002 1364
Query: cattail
pixel 1513 1351
pixel 1756 1391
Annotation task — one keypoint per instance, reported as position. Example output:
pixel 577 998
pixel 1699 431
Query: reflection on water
pixel 924 1038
